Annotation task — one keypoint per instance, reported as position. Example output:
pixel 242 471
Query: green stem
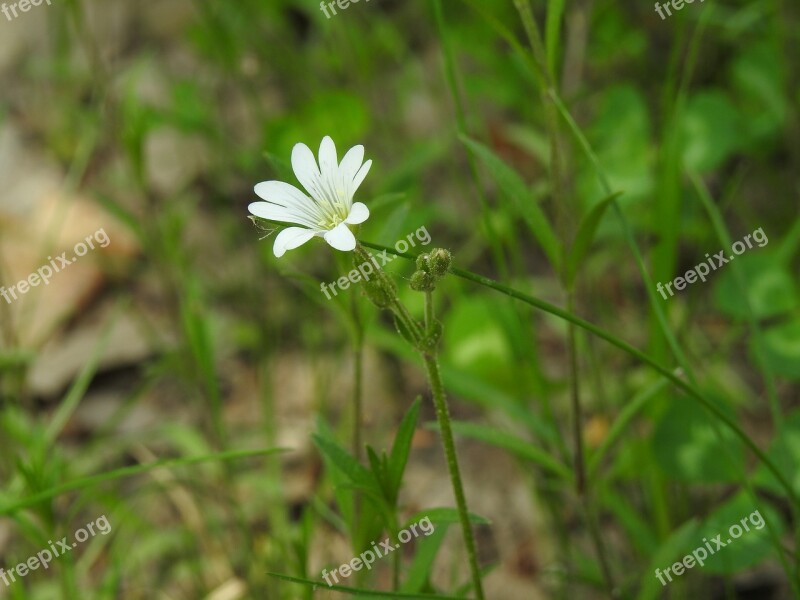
pixel 443 417
pixel 584 494
pixel 358 369
pixel 577 410
pixel 428 312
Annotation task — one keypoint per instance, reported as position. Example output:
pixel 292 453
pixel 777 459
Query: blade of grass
pixel 358 591
pixel 92 480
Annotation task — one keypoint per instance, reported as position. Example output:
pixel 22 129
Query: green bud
pixel 440 261
pixel 423 263
pixel 380 294
pixel 422 281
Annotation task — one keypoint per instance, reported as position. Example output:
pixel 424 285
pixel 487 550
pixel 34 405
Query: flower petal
pixel 279 192
pixel 305 167
pixel 290 238
pixel 362 173
pixel 328 163
pixel 300 208
pixel 274 212
pixel 351 163
pixel 358 214
pixel 341 238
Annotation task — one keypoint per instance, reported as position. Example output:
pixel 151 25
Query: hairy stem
pixel 443 417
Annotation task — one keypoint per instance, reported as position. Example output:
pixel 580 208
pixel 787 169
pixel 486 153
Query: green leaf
pixel 770 287
pixel 689 447
pixel 516 190
pixel 477 345
pixel 359 591
pixel 378 469
pixel 664 556
pixel 622 138
pixel 759 74
pixel 711 130
pixel 518 447
pixel 585 236
pixel 401 448
pixel 785 452
pixel 420 568
pixel 342 460
pixel 444 515
pixel 781 348
pixel 738 517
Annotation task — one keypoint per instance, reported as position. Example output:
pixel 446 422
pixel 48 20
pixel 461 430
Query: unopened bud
pixel 423 262
pixel 382 294
pixel 440 261
pixel 422 281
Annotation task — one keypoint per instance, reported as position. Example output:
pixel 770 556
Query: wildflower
pixel 328 209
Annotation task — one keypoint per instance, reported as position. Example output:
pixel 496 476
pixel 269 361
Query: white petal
pixel 279 192
pixel 305 167
pixel 290 238
pixel 328 163
pixel 300 206
pixel 358 214
pixel 362 172
pixel 341 238
pixel 351 163
pixel 273 212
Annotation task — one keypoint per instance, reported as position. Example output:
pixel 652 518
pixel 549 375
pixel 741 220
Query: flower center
pixel 335 212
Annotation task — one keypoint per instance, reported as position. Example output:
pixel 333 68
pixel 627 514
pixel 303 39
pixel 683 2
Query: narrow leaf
pixel 585 236
pixel 358 591
pixel 515 189
pixel 445 515
pixel 513 444
pixel 342 460
pixel 402 446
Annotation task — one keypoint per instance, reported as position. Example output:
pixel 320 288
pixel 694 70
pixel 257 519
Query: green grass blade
pixel 92 480
pixel 358 591
pixel 516 190
pixel 513 444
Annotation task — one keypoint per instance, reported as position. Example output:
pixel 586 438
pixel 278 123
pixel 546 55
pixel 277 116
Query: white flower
pixel 328 210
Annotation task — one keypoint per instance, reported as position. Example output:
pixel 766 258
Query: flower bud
pixel 380 293
pixel 422 281
pixel 423 263
pixel 440 261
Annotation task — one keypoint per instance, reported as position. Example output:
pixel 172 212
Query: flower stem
pixel 428 311
pixel 358 369
pixel 443 417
